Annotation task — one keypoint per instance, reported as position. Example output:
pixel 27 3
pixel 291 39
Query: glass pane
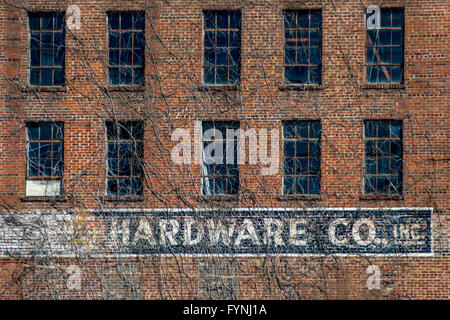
pixel 126 40
pixel 289 57
pixel 288 185
pixel 222 20
pixel 221 75
pixel 290 19
pixel 47 22
pixel 114 39
pixel 47 57
pixel 138 76
pixel 370 129
pixel 33 167
pixel 35 57
pixel 235 39
pixel 289 130
pixel 289 148
pixel 288 166
pixel 33 150
pixel 316 19
pixel 139 39
pixel 114 76
pixel 113 21
pixel 34 21
pixel 33 131
pixel 369 184
pixel 35 40
pixel 314 165
pixel 113 57
pixel 220 185
pixel 208 75
pixel 136 186
pixel 210 39
pixel 126 56
pixel 314 185
pixel 302 129
pixel 315 57
pixel 125 75
pixel 314 130
pixel 210 20
pixel 112 186
pixel 314 149
pixel 301 149
pixel 57 150
pixel 301 185
pixel 235 19
pixel 124 186
pixel 126 20
pixel 139 20
pixel 296 74
pixel 222 57
pixel 112 167
pixel 222 38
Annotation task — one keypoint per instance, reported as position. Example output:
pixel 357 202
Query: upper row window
pixel 47 49
pixel 222 48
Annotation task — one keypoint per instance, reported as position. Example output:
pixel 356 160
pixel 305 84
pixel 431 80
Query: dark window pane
pixel 125 75
pixel 59 57
pixel 222 38
pixel 301 185
pixel 222 57
pixel 289 147
pixel 35 40
pixel 33 150
pixel 314 130
pixel 289 129
pixel 370 147
pixel 302 130
pixel 34 77
pixel 113 21
pixel 396 165
pixel 222 20
pixel 301 166
pixel 114 39
pixel 35 58
pixel 33 167
pixel 126 21
pixel 124 186
pixel 396 130
pixel 235 39
pixel 35 21
pixel 369 184
pixel 314 185
pixel 397 18
pixel 315 75
pixel 303 19
pixel 296 74
pixel 113 57
pixel 383 184
pixel 112 186
pixel 221 75
pixel 385 18
pixel 289 57
pixel 47 21
pixel 138 76
pixel 136 186
pixel 288 166
pixel 126 57
pixel 210 56
pixel 233 75
pixel 210 39
pixel 210 20
pixel 112 167
pixel 372 74
pixel 47 40
pixel 315 56
pixel 370 129
pixel 208 74
pixel 301 149
pixel 47 58
pixel 139 39
pixel 235 19
pixel 139 20
pixel 314 165
pixel 33 131
pixel 290 19
pixel 60 21
pixel 126 40
pixel 138 57
pixel 316 19
pixel 288 185
pixel 219 185
pixel 397 37
pixel 114 76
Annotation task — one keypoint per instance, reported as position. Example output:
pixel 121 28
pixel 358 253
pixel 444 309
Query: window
pixel 45 148
pixel 383 157
pixel 384 57
pixel 222 49
pixel 220 168
pixel 47 49
pixel 301 143
pixel 126 48
pixel 302 47
pixel 125 154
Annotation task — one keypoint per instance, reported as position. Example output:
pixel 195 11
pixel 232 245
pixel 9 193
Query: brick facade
pixel 174 96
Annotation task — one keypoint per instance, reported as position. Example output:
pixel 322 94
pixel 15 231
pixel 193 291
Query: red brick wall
pixel 173 98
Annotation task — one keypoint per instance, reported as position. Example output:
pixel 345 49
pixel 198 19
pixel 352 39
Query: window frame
pixel 122 125
pixel 29 49
pixel 402 46
pixel 235 140
pixel 320 47
pixel 215 66
pixel 389 139
pixel 132 67
pixel 58 125
pixel 307 175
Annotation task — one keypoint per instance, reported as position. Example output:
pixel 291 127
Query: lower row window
pixel 220 171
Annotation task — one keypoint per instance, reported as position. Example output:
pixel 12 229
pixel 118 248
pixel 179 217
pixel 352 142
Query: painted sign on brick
pixel 239 231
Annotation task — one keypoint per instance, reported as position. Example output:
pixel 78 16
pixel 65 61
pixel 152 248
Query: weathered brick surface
pixel 172 99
